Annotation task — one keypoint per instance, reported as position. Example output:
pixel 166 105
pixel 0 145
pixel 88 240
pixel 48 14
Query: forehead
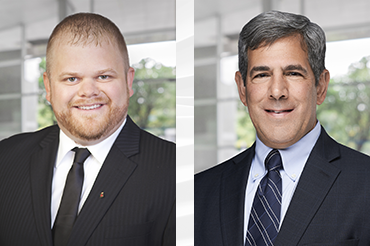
pixel 283 50
pixel 63 48
pixel 81 50
pixel 86 59
pixel 66 37
pixel 84 36
pixel 80 41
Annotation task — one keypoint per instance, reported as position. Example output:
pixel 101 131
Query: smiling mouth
pixel 279 111
pixel 90 107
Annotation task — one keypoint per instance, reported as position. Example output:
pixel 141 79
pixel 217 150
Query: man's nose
pixel 278 88
pixel 88 88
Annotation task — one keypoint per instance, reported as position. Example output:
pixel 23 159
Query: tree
pixel 153 104
pixel 245 129
pixel 345 112
pixel 46 115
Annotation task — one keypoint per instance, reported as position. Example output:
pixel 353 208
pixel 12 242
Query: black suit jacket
pixel 138 179
pixel 330 206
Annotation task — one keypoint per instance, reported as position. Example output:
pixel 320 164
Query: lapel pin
pixel 102 194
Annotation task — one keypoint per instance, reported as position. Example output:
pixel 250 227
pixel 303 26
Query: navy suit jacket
pixel 138 179
pixel 330 206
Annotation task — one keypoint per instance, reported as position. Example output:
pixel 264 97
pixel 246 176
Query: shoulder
pixel 156 151
pixel 345 150
pixel 28 140
pixel 351 166
pixel 351 158
pixel 230 166
pixel 339 154
pixel 148 139
pixel 144 147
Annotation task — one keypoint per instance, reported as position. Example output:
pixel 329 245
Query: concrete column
pixel 92 3
pixel 62 9
pixel 267 5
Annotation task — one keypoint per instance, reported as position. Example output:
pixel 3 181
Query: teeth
pixel 90 107
pixel 279 111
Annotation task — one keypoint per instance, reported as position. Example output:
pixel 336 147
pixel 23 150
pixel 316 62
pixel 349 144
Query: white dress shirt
pixel 294 159
pixel 64 162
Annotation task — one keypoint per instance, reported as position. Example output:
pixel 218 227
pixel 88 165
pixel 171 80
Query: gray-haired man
pixel 295 185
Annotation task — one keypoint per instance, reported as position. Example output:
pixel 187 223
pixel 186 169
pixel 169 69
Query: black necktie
pixel 264 220
pixel 68 208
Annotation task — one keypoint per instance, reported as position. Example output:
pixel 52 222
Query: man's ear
pixel 47 86
pixel 241 87
pixel 130 79
pixel 322 87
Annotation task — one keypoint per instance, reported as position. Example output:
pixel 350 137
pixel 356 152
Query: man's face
pixel 88 90
pixel 280 92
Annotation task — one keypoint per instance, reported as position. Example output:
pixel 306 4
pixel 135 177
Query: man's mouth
pixel 279 111
pixel 90 107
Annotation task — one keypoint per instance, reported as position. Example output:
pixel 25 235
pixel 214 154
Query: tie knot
pixel 81 155
pixel 273 161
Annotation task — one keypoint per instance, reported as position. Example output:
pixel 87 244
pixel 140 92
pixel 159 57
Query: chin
pixel 87 130
pixel 92 128
pixel 278 141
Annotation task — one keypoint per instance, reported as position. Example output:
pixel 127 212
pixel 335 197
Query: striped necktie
pixel 264 220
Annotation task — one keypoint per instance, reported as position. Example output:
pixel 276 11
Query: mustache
pixel 80 102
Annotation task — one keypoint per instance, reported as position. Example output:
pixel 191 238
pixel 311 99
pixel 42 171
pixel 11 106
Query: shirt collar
pixel 99 151
pixel 294 157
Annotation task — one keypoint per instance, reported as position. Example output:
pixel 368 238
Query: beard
pixel 89 128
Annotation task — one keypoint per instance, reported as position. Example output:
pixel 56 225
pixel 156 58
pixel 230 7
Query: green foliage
pixel 345 112
pixel 153 105
pixel 245 129
pixel 46 115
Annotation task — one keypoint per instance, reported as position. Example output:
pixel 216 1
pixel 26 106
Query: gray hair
pixel 266 28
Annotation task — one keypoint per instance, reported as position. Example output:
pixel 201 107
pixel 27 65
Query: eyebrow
pixel 68 74
pixel 296 67
pixel 287 68
pixel 107 70
pixel 76 74
pixel 258 69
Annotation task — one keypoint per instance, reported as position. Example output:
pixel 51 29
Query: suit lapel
pixel 316 180
pixel 233 185
pixel 116 170
pixel 41 172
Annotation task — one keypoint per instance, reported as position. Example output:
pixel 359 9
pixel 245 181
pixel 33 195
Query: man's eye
pixel 260 75
pixel 72 79
pixel 103 77
pixel 294 74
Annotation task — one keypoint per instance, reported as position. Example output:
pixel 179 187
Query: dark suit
pixel 330 206
pixel 138 179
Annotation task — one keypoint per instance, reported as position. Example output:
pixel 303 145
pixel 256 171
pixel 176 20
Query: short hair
pixel 86 29
pixel 268 27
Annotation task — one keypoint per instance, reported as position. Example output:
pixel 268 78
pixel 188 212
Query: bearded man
pixel 95 178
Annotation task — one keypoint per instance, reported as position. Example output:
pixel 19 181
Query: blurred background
pixel 222 126
pixel 149 29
